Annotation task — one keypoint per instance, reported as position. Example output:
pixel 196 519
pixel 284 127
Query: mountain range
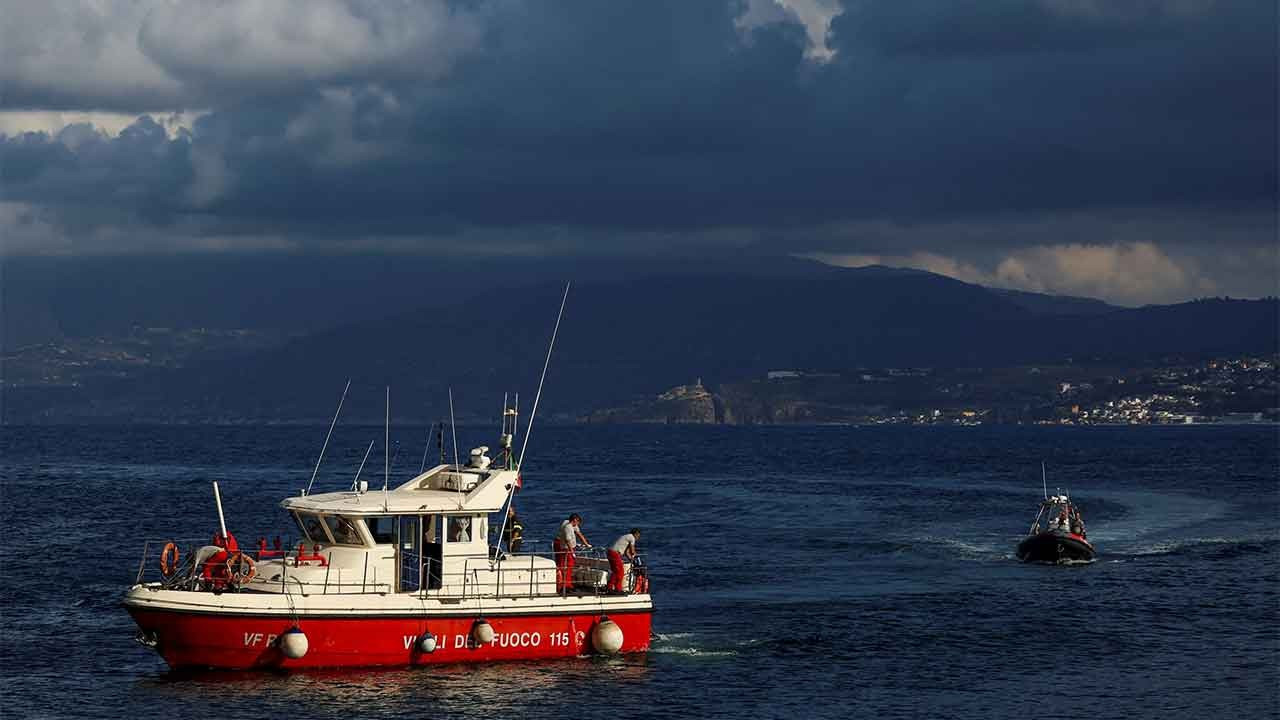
pixel 635 333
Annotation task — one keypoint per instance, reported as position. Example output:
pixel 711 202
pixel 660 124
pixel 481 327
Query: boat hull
pixel 1055 548
pixel 239 641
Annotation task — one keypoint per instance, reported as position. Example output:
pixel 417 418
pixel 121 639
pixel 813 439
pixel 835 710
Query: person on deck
pixel 625 545
pixel 1062 523
pixel 1077 524
pixel 514 532
pixel 566 540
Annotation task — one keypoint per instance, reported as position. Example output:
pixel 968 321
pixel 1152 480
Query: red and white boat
pixel 395 576
pixel 402 576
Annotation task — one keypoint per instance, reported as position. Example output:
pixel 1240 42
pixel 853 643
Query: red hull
pixel 190 640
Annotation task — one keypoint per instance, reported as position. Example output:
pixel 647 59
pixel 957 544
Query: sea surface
pixel 827 572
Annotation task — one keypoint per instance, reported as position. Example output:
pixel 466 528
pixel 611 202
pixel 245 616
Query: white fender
pixel 482 632
pixel 606 636
pixel 427 643
pixel 293 643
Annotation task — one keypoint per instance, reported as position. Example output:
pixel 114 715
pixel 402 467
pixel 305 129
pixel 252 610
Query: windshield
pixel 311 526
pixel 1063 516
pixel 344 530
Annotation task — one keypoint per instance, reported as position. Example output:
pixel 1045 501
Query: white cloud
pixel 108 124
pixel 278 43
pixel 814 15
pixel 73 53
pixel 100 58
pixel 923 260
pixel 1124 273
pixel 1128 274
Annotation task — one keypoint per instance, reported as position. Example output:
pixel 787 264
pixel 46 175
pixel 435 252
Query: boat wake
pixel 681 644
pixel 1064 561
pixel 953 549
pixel 1216 548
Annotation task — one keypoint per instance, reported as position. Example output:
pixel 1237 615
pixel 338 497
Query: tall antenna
pixel 426 448
pixel 386 442
pixel 440 442
pixel 454 426
pixel 1044 480
pixel 386 451
pixel 355 484
pixel 505 437
pixel 528 429
pixel 457 469
pixel 326 437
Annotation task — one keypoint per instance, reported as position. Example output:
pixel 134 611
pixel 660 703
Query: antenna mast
pixel 355 484
pixel 426 449
pixel 439 427
pixel 386 451
pixel 457 468
pixel 534 413
pixel 1044 480
pixel 510 418
pixel 529 428
pixel 326 437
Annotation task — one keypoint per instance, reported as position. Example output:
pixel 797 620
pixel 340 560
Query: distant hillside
pixel 630 337
pixel 44 299
pixel 1055 304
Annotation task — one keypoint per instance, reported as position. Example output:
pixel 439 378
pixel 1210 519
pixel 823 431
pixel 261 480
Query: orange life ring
pixel 240 568
pixel 169 559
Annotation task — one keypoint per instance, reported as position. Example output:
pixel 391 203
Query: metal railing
pixel 185 575
pixel 483 575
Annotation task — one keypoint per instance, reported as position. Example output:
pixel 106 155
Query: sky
pixel 1118 149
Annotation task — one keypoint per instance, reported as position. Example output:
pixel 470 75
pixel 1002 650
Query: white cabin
pixel 429 536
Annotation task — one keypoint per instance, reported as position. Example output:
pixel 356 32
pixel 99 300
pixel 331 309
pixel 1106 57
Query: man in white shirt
pixel 566 539
pixel 625 545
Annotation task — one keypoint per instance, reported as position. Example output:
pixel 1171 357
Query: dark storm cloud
pixel 619 123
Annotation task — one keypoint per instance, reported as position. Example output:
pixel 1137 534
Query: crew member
pixel 215 570
pixel 625 545
pixel 514 532
pixel 566 540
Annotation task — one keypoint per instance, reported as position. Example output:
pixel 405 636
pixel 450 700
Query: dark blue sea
pixel 797 572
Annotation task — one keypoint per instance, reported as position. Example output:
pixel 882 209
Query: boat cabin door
pixel 409 549
pixel 432 550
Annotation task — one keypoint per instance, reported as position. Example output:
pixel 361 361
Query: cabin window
pixel 344 530
pixel 312 527
pixel 383 529
pixel 460 529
